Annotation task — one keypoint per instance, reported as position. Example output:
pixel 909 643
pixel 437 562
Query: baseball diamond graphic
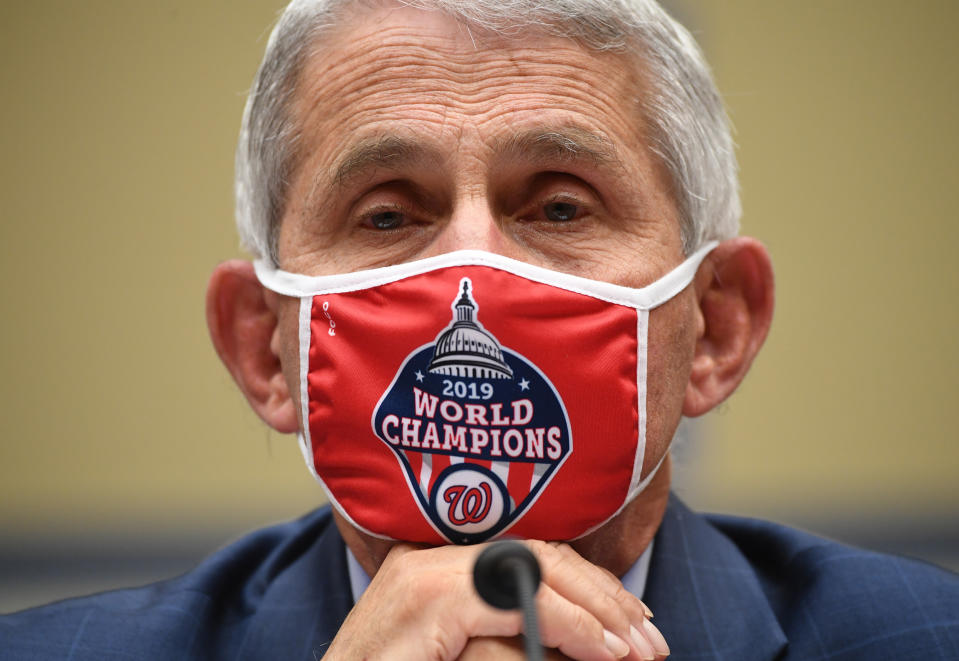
pixel 478 429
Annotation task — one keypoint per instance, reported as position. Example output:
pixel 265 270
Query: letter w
pixel 425 402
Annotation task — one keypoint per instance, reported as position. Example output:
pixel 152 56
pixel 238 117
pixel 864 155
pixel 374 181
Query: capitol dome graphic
pixel 465 349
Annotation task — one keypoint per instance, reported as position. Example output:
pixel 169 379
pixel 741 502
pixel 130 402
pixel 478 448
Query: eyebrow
pixel 569 143
pixel 392 152
pixel 383 152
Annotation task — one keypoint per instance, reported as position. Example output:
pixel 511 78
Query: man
pixel 579 152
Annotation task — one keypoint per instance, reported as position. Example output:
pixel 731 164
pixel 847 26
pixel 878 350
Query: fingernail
pixel 615 644
pixel 655 637
pixel 649 613
pixel 646 651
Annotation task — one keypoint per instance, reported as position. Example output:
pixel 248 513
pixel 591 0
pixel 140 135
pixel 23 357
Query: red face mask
pixel 469 395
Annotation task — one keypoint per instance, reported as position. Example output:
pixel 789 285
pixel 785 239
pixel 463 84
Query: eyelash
pixel 537 211
pixel 366 218
pixel 534 213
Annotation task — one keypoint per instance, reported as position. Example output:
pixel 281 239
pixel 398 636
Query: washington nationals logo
pixel 479 430
pixel 468 505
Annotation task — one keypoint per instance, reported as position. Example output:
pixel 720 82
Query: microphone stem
pixel 526 589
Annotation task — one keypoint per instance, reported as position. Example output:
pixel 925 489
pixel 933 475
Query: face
pixel 420 137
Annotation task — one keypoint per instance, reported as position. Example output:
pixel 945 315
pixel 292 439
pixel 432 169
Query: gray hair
pixel 688 127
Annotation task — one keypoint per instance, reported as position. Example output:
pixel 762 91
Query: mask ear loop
pixel 642 343
pixel 654 295
pixel 667 287
pixel 303 436
pixel 659 292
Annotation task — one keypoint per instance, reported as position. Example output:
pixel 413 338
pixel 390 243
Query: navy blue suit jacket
pixel 721 588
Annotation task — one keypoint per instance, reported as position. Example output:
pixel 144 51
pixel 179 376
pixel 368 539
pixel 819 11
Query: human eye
pixel 560 211
pixel 393 206
pixel 386 220
pixel 386 217
pixel 551 199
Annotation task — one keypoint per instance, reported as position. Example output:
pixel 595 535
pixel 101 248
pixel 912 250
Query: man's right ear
pixel 241 316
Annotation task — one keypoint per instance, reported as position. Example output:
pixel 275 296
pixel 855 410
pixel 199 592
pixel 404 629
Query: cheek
pixel 671 347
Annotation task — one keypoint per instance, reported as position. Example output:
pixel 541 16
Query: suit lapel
pixel 332 585
pixel 301 595
pixel 705 596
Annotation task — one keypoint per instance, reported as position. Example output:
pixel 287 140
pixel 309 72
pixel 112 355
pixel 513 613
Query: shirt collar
pixel 359 580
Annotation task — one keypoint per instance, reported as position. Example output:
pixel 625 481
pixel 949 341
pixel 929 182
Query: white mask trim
pixel 642 344
pixel 645 298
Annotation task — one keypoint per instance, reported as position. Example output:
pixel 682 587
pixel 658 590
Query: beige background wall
pixel 121 433
pixel 846 115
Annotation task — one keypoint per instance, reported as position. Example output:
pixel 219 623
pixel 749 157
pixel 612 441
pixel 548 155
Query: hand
pixel 421 605
pixel 503 649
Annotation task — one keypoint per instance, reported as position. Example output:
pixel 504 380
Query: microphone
pixel 506 575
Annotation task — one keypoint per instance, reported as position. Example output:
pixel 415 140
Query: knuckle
pixel 397 560
pixel 632 607
pixel 556 556
pixel 427 587
pixel 621 595
pixel 539 548
pixel 613 605
pixel 582 621
pixel 608 574
pixel 546 553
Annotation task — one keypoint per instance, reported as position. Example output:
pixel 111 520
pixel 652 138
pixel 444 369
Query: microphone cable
pixel 506 575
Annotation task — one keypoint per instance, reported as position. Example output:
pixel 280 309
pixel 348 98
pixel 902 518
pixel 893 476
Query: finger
pixel 656 639
pixel 644 649
pixel 647 641
pixel 602 594
pixel 503 649
pixel 612 576
pixel 563 625
pixel 480 649
pixel 574 630
pixel 584 579
pixel 591 587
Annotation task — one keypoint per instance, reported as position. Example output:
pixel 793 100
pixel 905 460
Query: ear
pixel 735 290
pixel 241 316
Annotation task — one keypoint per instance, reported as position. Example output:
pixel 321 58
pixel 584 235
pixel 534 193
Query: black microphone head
pixel 494 574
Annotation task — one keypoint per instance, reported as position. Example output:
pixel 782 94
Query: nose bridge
pixel 472 225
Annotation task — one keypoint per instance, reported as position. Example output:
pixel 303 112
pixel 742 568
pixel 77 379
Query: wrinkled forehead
pixel 398 70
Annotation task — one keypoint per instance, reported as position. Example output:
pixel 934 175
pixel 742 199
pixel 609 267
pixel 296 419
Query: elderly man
pixel 497 262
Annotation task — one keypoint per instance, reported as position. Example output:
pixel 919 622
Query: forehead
pixel 424 76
